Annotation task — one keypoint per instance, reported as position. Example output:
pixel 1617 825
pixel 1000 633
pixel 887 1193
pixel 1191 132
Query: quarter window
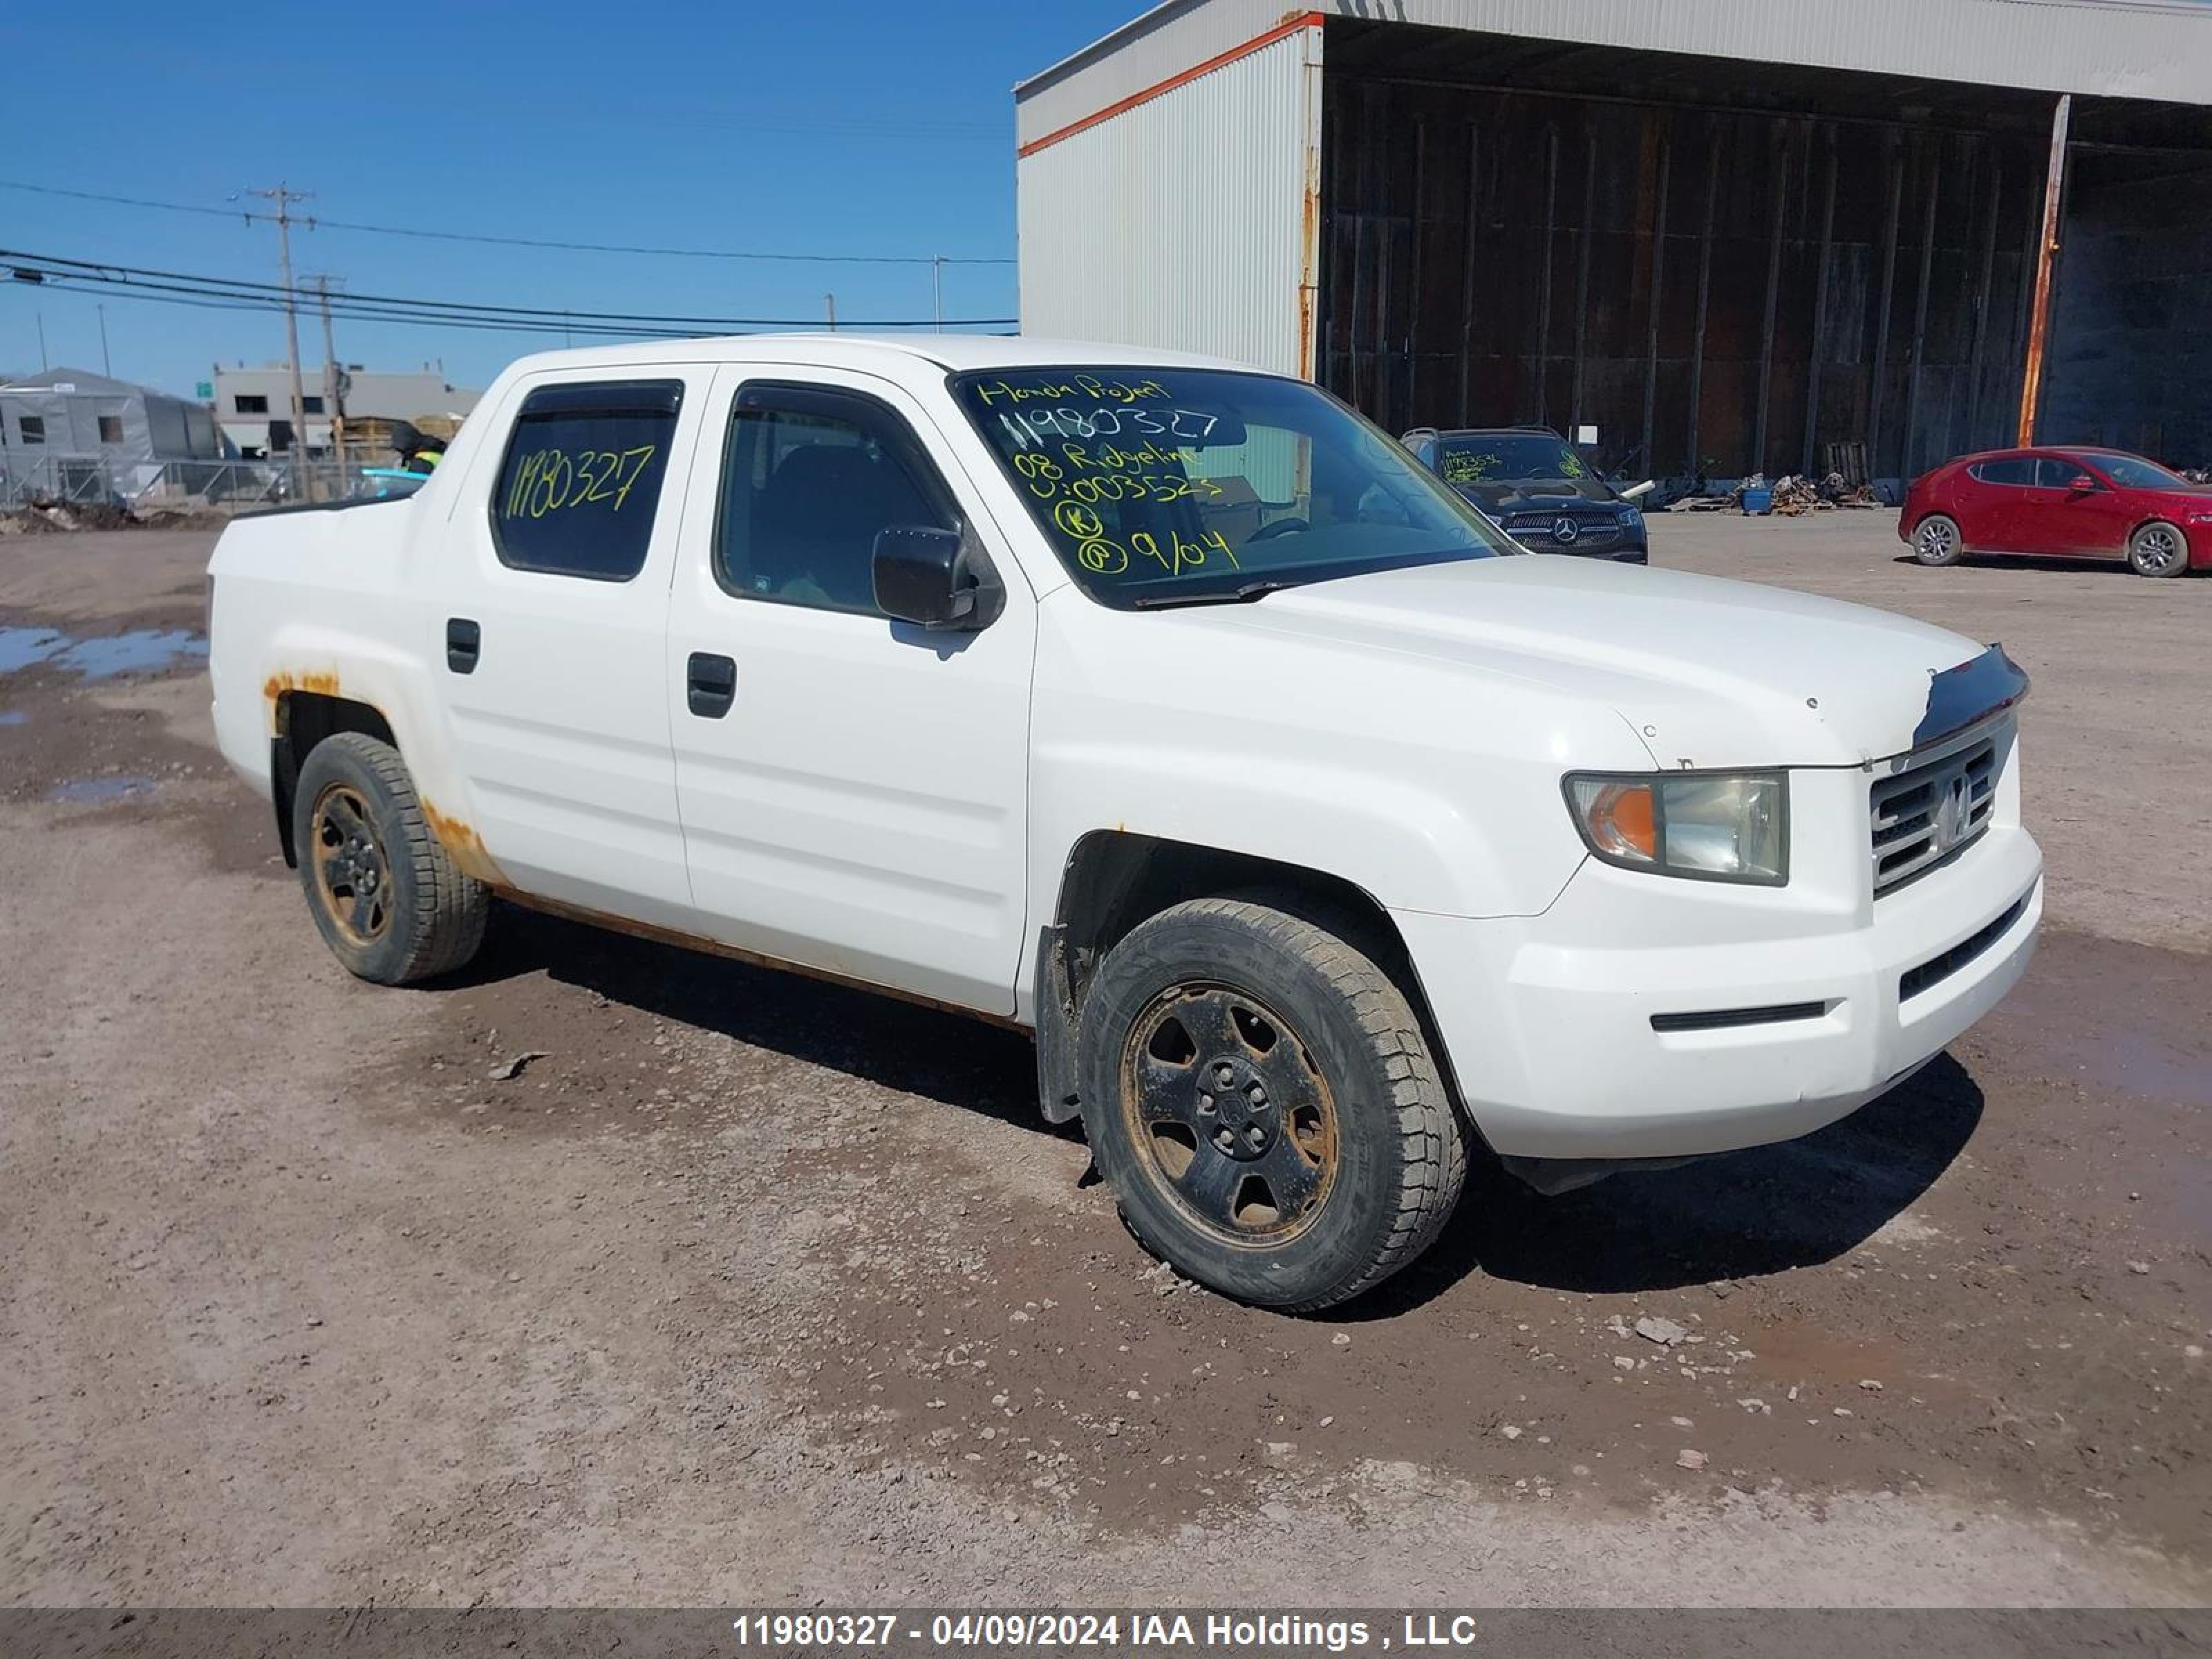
pixel 810 478
pixel 578 487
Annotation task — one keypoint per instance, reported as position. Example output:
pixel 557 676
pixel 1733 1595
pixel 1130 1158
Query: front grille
pixel 1924 814
pixel 1591 529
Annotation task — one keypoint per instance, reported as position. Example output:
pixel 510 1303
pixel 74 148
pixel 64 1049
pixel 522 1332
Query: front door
pixel 547 622
pixel 2085 523
pixel 853 789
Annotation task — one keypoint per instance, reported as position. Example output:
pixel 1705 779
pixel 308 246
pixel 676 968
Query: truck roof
pixel 886 353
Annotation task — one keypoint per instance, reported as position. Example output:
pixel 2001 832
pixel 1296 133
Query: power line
pixel 49 268
pixel 516 241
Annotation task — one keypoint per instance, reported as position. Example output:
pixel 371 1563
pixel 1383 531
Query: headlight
pixel 1709 826
pixel 1630 515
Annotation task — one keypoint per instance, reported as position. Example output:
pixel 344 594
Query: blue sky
pixel 845 126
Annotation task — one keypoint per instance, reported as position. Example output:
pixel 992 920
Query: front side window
pixel 1180 486
pixel 2133 472
pixel 810 477
pixel 582 478
pixel 1511 457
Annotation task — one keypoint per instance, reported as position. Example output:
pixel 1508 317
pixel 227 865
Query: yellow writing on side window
pixel 550 479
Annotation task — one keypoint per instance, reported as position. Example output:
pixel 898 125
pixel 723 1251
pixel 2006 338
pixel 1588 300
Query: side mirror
pixel 2080 484
pixel 934 577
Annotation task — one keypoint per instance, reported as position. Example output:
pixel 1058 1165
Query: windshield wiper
pixel 1248 591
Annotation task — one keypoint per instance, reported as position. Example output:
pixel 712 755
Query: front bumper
pixel 1548 1021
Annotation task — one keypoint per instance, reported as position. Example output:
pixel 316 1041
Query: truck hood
pixel 1536 495
pixel 1710 672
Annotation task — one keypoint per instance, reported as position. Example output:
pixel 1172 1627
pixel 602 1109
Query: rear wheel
pixel 386 898
pixel 2158 549
pixel 1261 1098
pixel 1936 540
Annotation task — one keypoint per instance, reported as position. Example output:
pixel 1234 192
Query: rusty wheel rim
pixel 353 878
pixel 1230 1112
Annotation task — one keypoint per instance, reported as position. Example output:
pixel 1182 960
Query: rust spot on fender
pixel 322 684
pixel 464 845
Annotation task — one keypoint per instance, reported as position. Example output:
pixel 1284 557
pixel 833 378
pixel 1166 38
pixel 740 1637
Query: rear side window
pixel 2013 470
pixel 811 475
pixel 582 478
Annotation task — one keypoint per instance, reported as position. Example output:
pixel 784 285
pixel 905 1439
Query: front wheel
pixel 2158 549
pixel 1935 540
pixel 1261 1097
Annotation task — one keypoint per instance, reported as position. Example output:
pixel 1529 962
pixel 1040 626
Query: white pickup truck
pixel 1163 708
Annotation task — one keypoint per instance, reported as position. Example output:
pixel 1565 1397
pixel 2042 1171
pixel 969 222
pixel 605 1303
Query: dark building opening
pixel 1729 267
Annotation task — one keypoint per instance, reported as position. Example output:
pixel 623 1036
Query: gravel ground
pixel 752 1289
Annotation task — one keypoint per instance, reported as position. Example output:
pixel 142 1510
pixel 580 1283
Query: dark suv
pixel 1529 480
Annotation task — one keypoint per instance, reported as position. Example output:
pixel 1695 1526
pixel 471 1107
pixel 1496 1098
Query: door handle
pixel 711 685
pixel 464 645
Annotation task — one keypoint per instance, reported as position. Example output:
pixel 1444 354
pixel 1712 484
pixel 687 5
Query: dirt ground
pixel 755 1291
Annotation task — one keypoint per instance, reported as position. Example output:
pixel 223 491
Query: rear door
pixel 1993 516
pixel 548 614
pixel 853 789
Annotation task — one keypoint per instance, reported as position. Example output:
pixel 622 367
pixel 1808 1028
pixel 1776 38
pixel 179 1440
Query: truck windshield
pixel 1515 458
pixel 1188 486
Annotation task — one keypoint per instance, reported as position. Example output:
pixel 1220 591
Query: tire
pixel 1937 541
pixel 2158 549
pixel 386 898
pixel 1212 1000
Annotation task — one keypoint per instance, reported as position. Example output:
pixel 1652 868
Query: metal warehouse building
pixel 1734 235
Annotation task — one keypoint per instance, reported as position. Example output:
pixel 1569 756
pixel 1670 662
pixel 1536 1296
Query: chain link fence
pixel 88 481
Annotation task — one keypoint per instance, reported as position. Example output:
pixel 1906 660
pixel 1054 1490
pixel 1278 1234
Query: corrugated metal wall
pixel 1182 222
pixel 1717 291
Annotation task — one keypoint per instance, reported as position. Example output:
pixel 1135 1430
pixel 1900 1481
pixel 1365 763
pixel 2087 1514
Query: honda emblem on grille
pixel 1953 812
pixel 1565 530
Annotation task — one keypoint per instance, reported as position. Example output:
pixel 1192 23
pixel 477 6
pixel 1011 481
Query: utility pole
pixel 333 402
pixel 937 287
pixel 106 368
pixel 830 301
pixel 2054 179
pixel 283 199
pixel 42 342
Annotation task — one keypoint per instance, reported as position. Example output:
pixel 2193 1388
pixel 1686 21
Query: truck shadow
pixel 1764 1210
pixel 917 1050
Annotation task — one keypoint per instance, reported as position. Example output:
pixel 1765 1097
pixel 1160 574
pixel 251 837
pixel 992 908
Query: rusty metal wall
pixel 1184 222
pixel 1718 291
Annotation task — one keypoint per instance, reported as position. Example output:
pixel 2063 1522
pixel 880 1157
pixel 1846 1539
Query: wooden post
pixel 2031 386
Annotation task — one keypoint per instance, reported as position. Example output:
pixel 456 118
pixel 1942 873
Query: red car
pixel 2073 503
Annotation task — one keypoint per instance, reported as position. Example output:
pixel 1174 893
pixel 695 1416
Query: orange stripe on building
pixel 1311 20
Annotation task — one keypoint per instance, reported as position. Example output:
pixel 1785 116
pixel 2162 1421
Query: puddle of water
pixel 21 647
pixel 101 791
pixel 144 650
pixel 12 717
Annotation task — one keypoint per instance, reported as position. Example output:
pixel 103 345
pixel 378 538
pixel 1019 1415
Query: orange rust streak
pixel 318 684
pixel 463 845
pixel 648 931
pixel 1291 23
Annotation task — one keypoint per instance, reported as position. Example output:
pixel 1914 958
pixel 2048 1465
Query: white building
pixel 251 402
